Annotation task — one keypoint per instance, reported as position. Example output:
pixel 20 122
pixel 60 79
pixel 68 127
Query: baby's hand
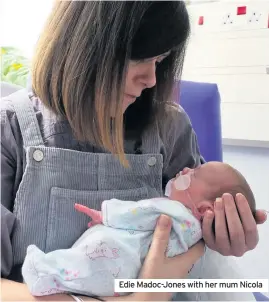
pixel 96 216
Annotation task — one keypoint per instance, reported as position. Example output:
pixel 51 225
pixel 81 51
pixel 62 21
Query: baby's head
pixel 198 188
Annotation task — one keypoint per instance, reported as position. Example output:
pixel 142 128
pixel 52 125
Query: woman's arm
pixel 10 177
pixel 14 291
pixel 167 268
pixel 7 224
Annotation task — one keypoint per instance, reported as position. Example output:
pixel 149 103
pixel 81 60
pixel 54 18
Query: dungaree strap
pixel 27 119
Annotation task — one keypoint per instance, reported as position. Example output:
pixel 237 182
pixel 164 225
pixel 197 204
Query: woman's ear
pixel 205 205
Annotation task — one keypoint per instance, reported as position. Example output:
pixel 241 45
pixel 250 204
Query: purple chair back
pixel 201 101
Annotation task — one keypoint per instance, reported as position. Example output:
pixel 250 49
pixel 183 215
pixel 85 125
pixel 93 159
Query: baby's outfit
pixel 113 250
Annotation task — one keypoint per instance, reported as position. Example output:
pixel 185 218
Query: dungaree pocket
pixel 66 225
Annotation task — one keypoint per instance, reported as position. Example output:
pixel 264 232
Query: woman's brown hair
pixel 80 64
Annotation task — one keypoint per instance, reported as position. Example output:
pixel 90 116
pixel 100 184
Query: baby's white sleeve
pixel 143 215
pixel 130 214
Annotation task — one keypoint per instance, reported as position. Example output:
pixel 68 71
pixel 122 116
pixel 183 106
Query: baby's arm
pixel 115 213
pixel 140 215
pixel 95 215
pixel 143 216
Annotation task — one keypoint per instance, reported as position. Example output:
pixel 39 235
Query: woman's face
pixel 140 75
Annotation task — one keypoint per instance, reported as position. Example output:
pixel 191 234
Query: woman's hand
pixel 239 234
pixel 158 266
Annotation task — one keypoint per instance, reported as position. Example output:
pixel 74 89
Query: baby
pixel 119 236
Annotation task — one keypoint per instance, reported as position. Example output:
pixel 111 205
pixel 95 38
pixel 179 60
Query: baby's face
pixel 201 181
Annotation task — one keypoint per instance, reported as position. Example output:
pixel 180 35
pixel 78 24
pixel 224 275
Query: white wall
pixel 254 165
pixel 233 51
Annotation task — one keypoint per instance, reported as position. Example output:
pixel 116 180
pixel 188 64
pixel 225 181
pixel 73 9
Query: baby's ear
pixel 205 205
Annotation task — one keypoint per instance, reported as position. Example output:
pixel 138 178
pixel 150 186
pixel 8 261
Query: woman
pixel 100 124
